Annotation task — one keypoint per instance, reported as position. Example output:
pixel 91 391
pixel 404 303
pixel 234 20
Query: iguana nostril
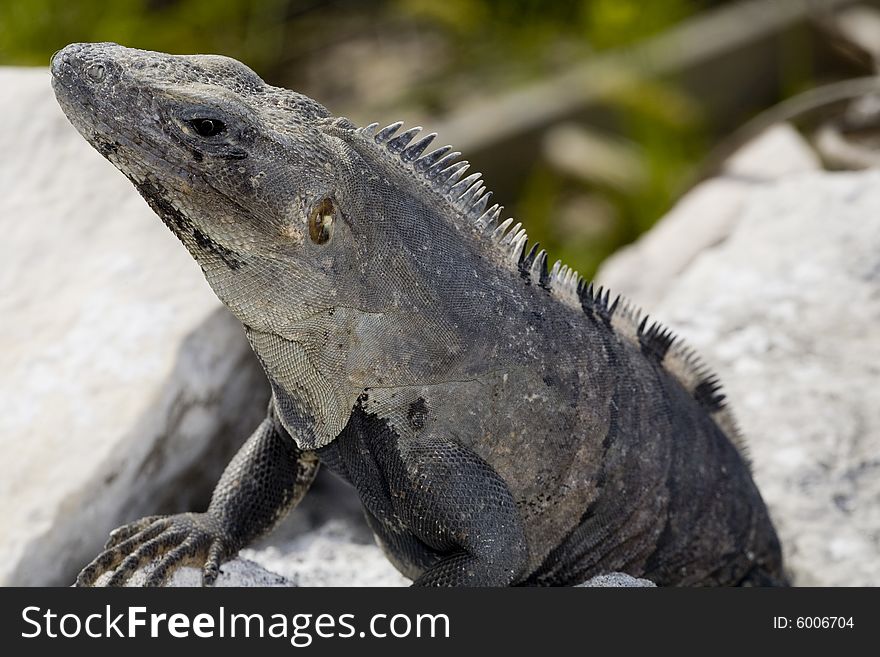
pixel 96 72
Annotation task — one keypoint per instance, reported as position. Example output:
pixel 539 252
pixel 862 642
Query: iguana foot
pixel 169 542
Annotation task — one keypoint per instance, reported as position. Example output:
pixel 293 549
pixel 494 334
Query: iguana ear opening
pixel 322 219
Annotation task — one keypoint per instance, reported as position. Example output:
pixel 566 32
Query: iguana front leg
pixel 439 511
pixel 463 509
pixel 266 479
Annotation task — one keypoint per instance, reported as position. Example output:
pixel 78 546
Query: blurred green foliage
pixel 536 24
pixel 253 30
pixel 488 45
pixel 669 131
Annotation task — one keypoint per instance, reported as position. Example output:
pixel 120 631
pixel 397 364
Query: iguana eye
pixel 321 221
pixel 207 127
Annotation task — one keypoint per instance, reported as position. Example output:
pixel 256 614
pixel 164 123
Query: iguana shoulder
pixel 441 174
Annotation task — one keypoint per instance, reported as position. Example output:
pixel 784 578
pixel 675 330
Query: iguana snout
pixel 73 62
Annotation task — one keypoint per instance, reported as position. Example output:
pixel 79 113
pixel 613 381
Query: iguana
pixel 503 423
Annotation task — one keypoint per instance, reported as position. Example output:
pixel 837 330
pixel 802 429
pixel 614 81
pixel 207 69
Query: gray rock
pixel 237 572
pixel 340 566
pixel 787 311
pixel 326 542
pixel 244 572
pixel 617 580
pixel 329 555
pixel 125 386
pixel 777 152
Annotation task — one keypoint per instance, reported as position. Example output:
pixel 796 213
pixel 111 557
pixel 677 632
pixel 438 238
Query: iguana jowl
pixel 502 423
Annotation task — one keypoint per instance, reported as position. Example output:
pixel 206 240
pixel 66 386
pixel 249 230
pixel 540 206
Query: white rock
pixel 323 542
pixel 237 572
pixel 244 572
pixel 777 152
pixel 704 217
pixel 701 219
pixel 119 371
pixel 329 555
pixel 121 375
pixel 326 542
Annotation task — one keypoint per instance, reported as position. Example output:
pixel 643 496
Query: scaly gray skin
pixel 502 424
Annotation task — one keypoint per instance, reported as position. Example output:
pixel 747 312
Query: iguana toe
pixel 111 557
pixel 125 532
pixel 183 555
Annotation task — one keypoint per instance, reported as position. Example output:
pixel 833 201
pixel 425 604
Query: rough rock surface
pixel 618 580
pixel 787 310
pixel 119 371
pixel 326 542
pixel 244 572
pixel 238 572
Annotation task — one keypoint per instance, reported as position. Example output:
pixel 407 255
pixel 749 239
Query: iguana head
pixel 253 179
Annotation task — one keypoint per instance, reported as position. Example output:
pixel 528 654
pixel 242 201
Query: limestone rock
pixel 323 542
pixel 787 310
pixel 326 542
pixel 778 152
pixel 127 387
pixel 244 572
pixel 238 572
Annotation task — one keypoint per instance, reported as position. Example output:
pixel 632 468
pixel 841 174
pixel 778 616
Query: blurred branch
pixel 788 110
pixel 595 157
pixel 842 153
pixel 481 124
pixel 856 29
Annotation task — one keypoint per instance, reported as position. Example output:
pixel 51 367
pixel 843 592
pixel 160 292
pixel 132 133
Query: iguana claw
pixel 166 542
